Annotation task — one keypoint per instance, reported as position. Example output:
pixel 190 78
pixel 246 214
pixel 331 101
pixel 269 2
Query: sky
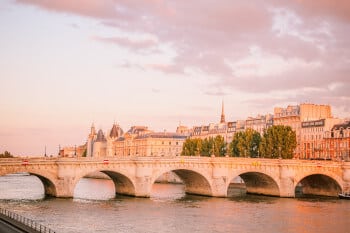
pixel 67 64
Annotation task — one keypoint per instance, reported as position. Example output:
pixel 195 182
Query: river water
pixel 95 208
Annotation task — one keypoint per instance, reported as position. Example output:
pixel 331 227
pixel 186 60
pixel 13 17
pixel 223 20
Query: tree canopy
pixel 245 144
pixel 279 141
pixel 204 147
pixel 6 154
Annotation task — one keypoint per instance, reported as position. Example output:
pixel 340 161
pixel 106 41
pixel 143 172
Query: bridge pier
pixel 219 186
pixel 346 179
pixel 65 187
pixel 287 187
pixel 143 180
pixel 143 186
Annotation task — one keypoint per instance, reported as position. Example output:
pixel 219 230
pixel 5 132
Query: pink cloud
pixel 205 36
pixel 90 8
pixel 139 44
pixel 339 9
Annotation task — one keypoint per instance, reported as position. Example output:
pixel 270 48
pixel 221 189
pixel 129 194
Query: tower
pixel 90 141
pixel 222 120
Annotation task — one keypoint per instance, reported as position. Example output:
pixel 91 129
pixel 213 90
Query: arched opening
pixel 181 183
pixel 317 185
pixel 253 183
pixel 25 186
pixel 49 187
pixel 103 185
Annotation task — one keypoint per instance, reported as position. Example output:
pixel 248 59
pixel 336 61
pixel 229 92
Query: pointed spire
pixel 222 120
pixel 92 132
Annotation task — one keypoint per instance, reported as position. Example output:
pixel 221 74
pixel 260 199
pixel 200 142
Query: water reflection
pixel 95 208
pixel 89 189
pixel 21 186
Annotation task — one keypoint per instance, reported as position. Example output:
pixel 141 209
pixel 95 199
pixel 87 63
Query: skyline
pixel 157 63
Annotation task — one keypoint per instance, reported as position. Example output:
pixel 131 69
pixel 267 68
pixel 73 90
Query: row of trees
pixel 6 154
pixel 276 142
pixel 204 147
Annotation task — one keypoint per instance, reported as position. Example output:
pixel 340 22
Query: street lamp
pixel 75 150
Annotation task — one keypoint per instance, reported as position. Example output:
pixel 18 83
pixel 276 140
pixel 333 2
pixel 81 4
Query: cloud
pixel 339 9
pixel 252 46
pixel 124 42
pixel 89 8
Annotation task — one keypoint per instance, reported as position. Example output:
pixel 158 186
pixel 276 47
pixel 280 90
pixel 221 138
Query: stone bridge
pixel 209 176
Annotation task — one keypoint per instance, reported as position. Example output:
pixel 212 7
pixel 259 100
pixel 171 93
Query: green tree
pixel 6 154
pixel 253 139
pixel 206 147
pixel 245 144
pixel 279 141
pixel 192 147
pixel 219 146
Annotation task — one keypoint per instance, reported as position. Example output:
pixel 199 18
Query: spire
pixel 92 132
pixel 222 120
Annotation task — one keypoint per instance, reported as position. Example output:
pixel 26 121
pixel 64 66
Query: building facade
pixel 312 137
pixel 259 123
pixel 138 141
pixel 336 142
pixel 150 144
pixel 293 116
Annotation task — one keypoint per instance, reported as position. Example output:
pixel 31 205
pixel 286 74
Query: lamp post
pixel 75 150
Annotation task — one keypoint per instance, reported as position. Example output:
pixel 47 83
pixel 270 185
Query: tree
pixel 204 147
pixel 279 141
pixel 207 146
pixel 6 154
pixel 192 147
pixel 254 140
pixel 245 144
pixel 219 146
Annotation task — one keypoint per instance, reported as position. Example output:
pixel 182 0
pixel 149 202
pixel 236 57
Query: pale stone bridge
pixel 208 176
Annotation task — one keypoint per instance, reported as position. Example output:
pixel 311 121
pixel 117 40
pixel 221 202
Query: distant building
pixel 137 141
pixel 293 116
pixel 312 137
pixel 149 144
pixel 337 142
pixel 259 123
pixel 72 151
pixel 213 129
pixel 98 145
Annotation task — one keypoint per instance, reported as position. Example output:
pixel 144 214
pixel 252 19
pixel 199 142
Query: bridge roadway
pixel 210 176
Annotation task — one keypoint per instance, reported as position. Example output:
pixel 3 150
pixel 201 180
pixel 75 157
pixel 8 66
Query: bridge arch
pixel 49 185
pixel 196 182
pixel 257 182
pixel 318 183
pixel 123 184
pixel 48 180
